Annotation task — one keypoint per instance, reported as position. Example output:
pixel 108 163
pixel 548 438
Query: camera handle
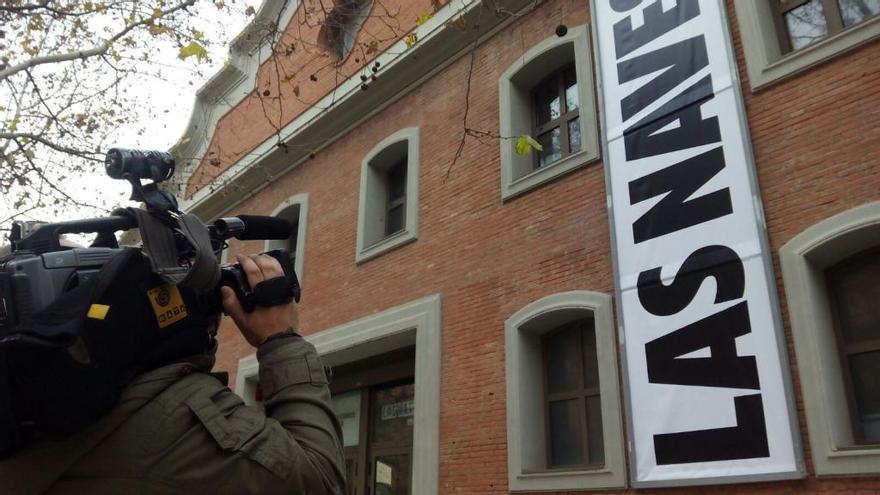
pixel 157 200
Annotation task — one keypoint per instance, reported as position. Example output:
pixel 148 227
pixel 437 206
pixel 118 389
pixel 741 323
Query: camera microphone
pixel 258 227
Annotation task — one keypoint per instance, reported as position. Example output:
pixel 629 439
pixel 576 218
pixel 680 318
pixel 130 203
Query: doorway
pixel 374 399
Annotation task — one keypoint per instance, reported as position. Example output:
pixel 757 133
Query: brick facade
pixel 816 142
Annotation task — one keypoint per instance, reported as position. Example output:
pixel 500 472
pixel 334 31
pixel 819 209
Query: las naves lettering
pixel 706 387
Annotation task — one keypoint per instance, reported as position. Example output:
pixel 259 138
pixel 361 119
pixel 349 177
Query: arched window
pixel 341 26
pixel 832 286
pixel 563 410
pixel 548 94
pixel 295 210
pixel 389 195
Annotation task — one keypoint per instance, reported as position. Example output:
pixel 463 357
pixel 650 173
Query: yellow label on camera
pixel 167 304
pixel 98 311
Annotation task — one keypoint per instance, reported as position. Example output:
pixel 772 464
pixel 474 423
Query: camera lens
pixel 139 164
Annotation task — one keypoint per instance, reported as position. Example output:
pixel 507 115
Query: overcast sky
pixel 173 98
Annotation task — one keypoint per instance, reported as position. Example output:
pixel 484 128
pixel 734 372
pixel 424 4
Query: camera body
pixel 29 282
pixel 76 323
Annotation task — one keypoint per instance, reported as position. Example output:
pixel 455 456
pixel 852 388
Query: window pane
pixel 550 141
pixel 571 89
pixel 855 11
pixel 564 361
pixel 397 182
pixel 574 135
pixel 856 289
pixel 392 415
pixel 547 103
pixel 591 362
pixel 565 433
pixel 392 475
pixel 865 370
pixel 395 220
pixel 595 444
pixel 347 407
pixel 806 24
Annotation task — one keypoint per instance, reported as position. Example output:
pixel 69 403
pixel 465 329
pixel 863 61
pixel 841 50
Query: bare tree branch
pixel 90 52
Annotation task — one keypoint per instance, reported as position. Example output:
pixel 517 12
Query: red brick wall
pixel 816 140
pixel 298 73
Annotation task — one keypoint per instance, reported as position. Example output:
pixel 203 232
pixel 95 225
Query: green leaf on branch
pixel 193 49
pixel 525 144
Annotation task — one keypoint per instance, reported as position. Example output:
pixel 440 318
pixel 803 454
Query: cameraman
pixel 183 431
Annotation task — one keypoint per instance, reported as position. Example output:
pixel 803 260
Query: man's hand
pixel 262 322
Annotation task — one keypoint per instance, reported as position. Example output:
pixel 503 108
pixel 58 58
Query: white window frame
pixel 526 435
pixel 516 115
pixel 765 62
pixel 804 260
pixel 302 201
pixel 415 323
pixel 371 203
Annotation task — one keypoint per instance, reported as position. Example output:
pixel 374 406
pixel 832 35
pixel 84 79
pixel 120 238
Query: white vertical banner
pixel 707 385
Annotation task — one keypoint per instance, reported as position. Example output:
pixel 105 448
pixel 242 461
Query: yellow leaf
pixel 193 49
pixel 423 18
pixel 410 40
pixel 88 6
pixel 525 144
pixel 157 12
pixel 198 35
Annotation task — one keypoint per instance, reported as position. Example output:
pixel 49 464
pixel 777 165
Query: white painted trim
pixel 804 260
pixel 415 323
pixel 764 61
pixel 516 115
pixel 410 231
pixel 526 442
pixel 301 199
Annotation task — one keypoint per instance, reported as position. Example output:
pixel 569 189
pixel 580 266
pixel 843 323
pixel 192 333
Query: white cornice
pixel 403 69
pixel 229 86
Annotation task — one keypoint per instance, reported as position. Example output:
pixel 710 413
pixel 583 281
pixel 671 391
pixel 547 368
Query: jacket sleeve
pixel 297 399
pixel 292 446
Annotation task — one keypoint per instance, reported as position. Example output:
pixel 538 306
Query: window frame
pixel 582 394
pixel 301 201
pixel 846 350
pixel 562 121
pixel 516 118
pixel 766 62
pixel 526 444
pixel 803 261
pixel 372 241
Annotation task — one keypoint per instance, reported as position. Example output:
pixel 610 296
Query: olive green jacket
pixel 186 432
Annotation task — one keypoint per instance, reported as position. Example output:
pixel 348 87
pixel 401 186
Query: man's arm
pixel 294 389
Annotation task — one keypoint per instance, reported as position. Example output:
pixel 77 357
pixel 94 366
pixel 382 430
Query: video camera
pixel 55 299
